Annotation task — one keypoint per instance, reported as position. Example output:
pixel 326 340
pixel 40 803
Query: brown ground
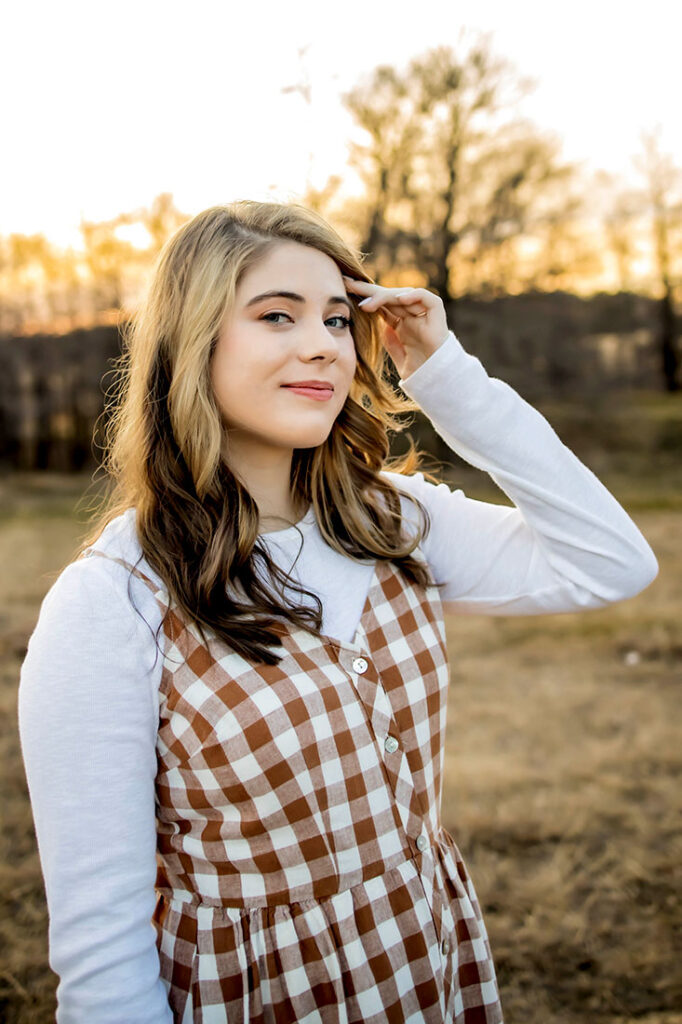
pixel 562 783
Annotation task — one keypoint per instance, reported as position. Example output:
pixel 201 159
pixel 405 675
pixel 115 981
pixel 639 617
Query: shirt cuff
pixel 440 367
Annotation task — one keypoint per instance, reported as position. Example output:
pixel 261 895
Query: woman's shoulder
pixel 416 486
pixel 97 585
pixel 115 553
pixel 118 545
pixel 92 636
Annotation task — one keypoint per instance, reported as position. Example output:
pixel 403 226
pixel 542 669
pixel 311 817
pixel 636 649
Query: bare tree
pixel 112 259
pixel 384 109
pixel 516 191
pixel 161 219
pixel 664 194
pixel 43 286
pixel 452 180
pixel 620 213
pixel 106 257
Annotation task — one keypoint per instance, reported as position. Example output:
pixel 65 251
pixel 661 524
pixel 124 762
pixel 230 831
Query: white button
pixel 360 665
pixel 422 843
pixel 445 947
pixel 390 744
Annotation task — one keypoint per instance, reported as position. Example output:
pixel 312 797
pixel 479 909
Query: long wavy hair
pixel 164 451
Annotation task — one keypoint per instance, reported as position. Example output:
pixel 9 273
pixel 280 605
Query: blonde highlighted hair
pixel 164 453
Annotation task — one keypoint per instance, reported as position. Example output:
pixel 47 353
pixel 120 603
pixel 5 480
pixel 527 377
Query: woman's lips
pixel 317 394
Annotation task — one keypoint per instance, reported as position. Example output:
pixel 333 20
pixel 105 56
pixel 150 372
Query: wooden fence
pixel 53 387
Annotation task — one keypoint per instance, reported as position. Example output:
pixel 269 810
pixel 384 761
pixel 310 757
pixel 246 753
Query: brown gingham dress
pixel 303 873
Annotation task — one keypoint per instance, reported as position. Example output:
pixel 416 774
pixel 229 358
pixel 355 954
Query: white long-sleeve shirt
pixel 89 700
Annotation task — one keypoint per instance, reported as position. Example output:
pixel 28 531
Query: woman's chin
pixel 311 442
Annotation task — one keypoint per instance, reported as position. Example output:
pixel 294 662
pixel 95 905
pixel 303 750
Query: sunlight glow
pixel 136 234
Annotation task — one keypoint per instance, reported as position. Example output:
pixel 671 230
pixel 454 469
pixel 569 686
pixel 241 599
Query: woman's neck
pixel 266 474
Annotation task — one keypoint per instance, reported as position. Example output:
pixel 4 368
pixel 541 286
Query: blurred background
pixel 525 162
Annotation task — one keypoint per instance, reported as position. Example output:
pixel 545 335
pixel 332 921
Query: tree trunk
pixel 668 339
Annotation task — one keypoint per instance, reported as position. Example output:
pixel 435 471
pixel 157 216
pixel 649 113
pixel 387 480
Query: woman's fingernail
pixel 368 299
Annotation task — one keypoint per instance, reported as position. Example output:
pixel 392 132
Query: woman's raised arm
pixel 567 544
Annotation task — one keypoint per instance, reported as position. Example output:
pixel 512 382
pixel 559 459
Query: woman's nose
pixel 320 342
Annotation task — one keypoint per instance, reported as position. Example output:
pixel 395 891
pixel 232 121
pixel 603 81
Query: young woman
pixel 242 821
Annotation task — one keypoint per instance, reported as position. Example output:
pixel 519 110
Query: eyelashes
pixel 347 321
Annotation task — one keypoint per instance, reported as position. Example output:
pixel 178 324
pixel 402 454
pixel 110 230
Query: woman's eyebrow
pixel 296 298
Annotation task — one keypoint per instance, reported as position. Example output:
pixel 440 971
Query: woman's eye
pixel 268 315
pixel 347 321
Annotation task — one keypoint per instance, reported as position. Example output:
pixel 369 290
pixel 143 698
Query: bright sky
pixel 105 106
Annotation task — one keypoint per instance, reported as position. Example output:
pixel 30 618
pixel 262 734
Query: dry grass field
pixel 563 774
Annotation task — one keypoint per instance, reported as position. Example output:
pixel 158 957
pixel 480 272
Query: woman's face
pixel 268 344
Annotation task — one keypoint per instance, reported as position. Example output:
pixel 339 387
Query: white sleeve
pixel 88 718
pixel 565 545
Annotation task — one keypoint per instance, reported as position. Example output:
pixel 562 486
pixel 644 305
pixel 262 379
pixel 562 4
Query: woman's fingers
pixel 414 301
pixel 415 320
pixel 354 284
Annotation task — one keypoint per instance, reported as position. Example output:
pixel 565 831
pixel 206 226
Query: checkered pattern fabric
pixel 303 874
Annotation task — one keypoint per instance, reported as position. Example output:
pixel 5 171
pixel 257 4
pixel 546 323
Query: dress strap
pixel 154 587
